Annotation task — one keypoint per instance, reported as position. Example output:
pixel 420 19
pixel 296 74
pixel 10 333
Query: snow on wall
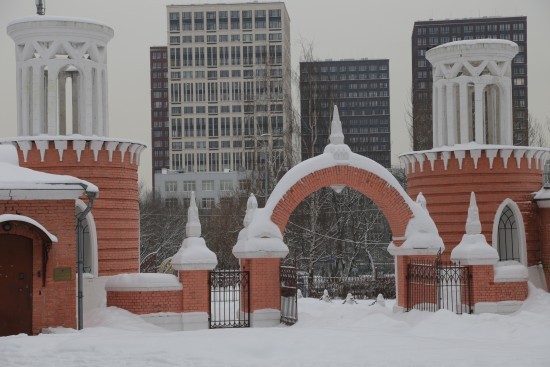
pixel 143 282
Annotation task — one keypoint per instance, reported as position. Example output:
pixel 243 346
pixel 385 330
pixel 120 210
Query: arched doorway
pixel 16 275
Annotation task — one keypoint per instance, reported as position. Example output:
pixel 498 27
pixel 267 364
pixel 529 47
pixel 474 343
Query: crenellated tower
pixel 63 128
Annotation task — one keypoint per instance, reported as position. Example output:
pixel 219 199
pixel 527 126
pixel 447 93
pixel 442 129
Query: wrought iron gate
pixel 229 299
pixel 289 295
pixel 435 285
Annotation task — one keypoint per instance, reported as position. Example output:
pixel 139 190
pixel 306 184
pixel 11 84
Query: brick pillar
pixel 265 291
pixel 401 281
pixel 545 242
pixel 196 290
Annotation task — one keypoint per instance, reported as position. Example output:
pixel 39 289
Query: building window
pixel 171 202
pixel 226 185
pixel 508 242
pixel 171 186
pixel 208 185
pixel 189 186
pixel 207 203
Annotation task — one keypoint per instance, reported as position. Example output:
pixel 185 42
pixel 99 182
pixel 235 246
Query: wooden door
pixel 15 285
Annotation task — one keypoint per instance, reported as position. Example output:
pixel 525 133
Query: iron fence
pixel 229 299
pixel 361 287
pixel 289 295
pixel 434 285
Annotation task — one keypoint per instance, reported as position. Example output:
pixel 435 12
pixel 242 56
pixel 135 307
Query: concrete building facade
pixel 360 89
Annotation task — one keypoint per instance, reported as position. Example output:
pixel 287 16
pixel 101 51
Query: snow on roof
pixel 474 146
pixel 18 179
pixel 476 42
pixel 22 218
pixel 54 18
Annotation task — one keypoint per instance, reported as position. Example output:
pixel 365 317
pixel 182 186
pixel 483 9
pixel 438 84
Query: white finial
pixel 336 134
pixel 473 225
pixel 420 199
pixel 251 206
pixel 193 226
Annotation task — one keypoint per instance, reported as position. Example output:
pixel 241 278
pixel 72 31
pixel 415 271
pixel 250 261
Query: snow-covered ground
pixel 328 334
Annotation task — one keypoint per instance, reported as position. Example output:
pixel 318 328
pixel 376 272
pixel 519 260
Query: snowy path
pixel 327 335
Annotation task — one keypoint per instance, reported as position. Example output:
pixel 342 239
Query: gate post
pixel 265 290
pixel 194 261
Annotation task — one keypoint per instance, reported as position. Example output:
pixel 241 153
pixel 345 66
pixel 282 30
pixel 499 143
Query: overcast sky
pixel 338 29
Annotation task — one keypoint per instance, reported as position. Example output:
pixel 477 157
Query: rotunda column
pixel 441 114
pixel 451 113
pixel 463 112
pixel 435 106
pixel 37 98
pixel 479 113
pixel 52 107
pixel 23 95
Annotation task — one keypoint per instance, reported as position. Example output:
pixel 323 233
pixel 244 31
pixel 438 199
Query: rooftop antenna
pixel 40 7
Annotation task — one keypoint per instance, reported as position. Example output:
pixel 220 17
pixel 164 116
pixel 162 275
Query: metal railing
pixel 229 299
pixel 361 287
pixel 289 295
pixel 435 285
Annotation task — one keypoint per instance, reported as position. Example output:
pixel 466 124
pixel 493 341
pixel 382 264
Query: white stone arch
pixel 520 228
pixel 90 243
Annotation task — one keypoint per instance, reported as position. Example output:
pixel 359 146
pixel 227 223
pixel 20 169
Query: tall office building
pixel 229 86
pixel 158 62
pixel 428 34
pixel 360 89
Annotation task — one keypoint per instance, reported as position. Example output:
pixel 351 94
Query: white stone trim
pixel 518 154
pixel 420 159
pixel 460 155
pixel 42 146
pixel 25 146
pixel 503 308
pixel 431 157
pixel 95 146
pixel 446 155
pixel 122 147
pixel 61 146
pixel 90 221
pixel 491 154
pixel 475 154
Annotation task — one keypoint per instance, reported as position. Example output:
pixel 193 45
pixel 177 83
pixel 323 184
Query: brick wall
pixel 484 288
pixel 55 303
pixel 145 302
pixel 448 195
pixel 116 211
pixel 545 242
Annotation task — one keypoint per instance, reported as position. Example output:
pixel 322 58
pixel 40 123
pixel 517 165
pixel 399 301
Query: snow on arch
pixel 22 218
pixel 417 234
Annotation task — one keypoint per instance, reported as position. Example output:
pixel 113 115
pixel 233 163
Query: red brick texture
pixel 144 302
pixel 264 283
pixel 545 241
pixel 484 288
pixel 55 303
pixel 387 198
pixel 116 211
pixel 196 290
pixel 448 195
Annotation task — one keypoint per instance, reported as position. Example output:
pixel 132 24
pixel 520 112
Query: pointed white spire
pixel 251 206
pixel 473 225
pixel 193 226
pixel 336 134
pixel 420 199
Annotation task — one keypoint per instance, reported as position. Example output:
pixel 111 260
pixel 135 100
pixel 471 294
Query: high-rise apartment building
pixel 159 109
pixel 228 85
pixel 360 89
pixel 428 34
